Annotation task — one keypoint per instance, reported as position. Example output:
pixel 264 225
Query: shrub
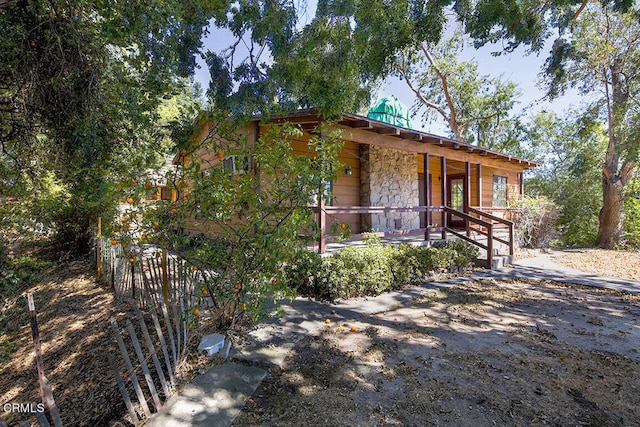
pixel 535 221
pixel 360 271
pixel 374 269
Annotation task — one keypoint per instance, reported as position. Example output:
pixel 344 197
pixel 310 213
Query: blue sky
pixel 517 67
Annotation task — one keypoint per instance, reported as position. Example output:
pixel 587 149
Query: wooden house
pixel 398 180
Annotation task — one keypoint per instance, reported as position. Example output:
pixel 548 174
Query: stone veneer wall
pixel 392 177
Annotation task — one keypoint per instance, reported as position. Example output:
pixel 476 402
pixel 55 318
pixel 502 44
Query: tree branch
pixel 403 72
pixel 627 172
pixel 578 12
pixel 6 152
pixel 453 122
pixel 7 3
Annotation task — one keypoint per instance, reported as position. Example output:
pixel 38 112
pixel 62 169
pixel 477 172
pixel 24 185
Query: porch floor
pixel 414 238
pixel 360 242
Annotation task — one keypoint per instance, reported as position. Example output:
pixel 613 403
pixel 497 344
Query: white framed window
pixel 237 164
pixel 499 191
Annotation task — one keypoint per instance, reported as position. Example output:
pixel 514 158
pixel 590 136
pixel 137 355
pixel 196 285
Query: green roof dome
pixel 390 110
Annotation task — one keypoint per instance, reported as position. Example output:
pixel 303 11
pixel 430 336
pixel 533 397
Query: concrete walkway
pixel 217 397
pixel 543 268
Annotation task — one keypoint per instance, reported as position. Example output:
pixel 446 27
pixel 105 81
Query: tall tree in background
pixel 333 61
pixel 570 150
pixel 477 108
pixel 603 57
pixel 80 83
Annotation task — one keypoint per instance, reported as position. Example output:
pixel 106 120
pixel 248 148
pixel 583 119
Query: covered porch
pixel 414 185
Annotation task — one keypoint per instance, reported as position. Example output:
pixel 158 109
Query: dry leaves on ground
pixel 481 353
pixel 603 262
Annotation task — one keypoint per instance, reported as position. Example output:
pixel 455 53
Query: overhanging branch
pixel 453 122
pixel 403 72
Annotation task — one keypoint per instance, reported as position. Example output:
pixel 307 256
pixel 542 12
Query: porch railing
pixel 485 223
pixel 494 218
pixel 466 237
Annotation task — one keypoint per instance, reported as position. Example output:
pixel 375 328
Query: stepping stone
pixel 214 399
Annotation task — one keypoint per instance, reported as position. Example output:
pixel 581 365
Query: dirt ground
pixel 622 264
pixel 73 314
pixel 490 353
pixel 479 354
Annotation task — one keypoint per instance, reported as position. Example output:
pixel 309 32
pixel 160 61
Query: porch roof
pixel 362 128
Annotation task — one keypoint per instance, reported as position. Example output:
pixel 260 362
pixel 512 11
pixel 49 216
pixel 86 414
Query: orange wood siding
pixel 487 185
pixel 346 188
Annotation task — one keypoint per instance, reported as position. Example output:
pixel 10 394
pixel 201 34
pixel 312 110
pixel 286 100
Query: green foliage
pixel 477 108
pixel 333 60
pixel 535 221
pixel 570 150
pixel 601 57
pixel 19 273
pixel 248 200
pixel 632 214
pixel 82 83
pixel 374 269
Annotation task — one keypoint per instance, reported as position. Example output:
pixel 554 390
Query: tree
pixel 249 202
pixel 477 109
pixel 333 62
pixel 80 83
pixel 570 151
pixel 603 57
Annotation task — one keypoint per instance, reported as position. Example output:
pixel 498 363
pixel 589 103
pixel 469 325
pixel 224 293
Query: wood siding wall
pixel 347 188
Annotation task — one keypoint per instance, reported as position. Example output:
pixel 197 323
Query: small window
pixel 165 193
pixel 499 191
pixel 328 192
pixel 237 164
pixel 313 190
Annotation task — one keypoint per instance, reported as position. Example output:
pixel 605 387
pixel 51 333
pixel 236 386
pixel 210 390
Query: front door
pixel 455 200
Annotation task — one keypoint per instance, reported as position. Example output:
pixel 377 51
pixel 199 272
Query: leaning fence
pixel 165 291
pixel 150 267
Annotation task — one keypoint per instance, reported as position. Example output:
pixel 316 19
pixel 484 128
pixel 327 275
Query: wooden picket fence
pixel 164 289
pixel 129 279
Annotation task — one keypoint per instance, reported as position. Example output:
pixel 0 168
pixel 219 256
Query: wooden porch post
pixel 443 188
pixel 479 186
pixel 427 196
pixel 322 222
pixel 322 215
pixel 466 197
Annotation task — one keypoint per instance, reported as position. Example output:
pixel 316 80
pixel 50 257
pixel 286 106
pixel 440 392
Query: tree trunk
pixel 615 174
pixel 611 213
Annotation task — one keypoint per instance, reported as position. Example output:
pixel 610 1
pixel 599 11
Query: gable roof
pixel 371 131
pixel 407 139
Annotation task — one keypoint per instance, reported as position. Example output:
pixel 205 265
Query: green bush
pixel 374 269
pixel 536 221
pixel 20 272
pixel 360 271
